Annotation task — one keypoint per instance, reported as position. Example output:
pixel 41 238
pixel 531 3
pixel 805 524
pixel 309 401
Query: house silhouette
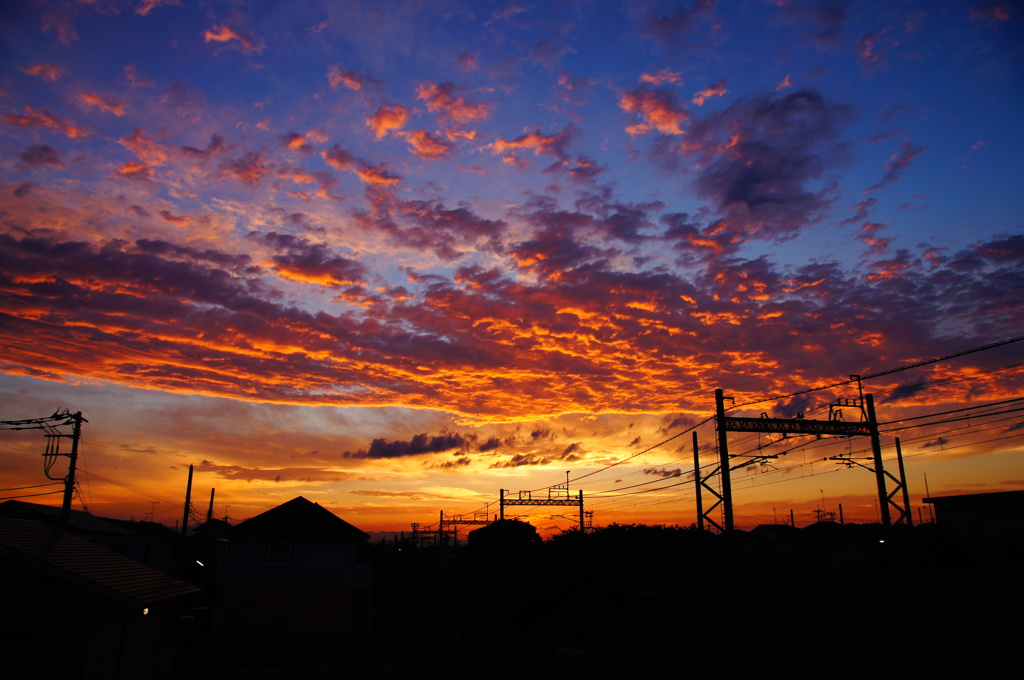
pixel 295 572
pixel 71 608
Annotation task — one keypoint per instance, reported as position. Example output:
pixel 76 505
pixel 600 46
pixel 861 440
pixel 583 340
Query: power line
pixel 11 498
pixel 890 371
pixel 141 493
pixel 813 389
pixel 34 486
pixel 956 410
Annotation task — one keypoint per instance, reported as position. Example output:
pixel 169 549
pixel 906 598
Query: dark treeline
pixel 821 547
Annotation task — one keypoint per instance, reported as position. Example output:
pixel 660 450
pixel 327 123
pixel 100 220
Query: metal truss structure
pixel 556 495
pixel 835 426
pixel 446 531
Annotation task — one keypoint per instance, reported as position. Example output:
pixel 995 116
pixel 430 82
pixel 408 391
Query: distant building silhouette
pixel 990 525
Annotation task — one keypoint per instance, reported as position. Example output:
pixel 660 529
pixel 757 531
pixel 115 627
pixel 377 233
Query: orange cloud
pixel 427 146
pixel 317 136
pixel 33 118
pixel 146 6
pixel 388 118
pixel 102 102
pixel 663 76
pixel 442 99
pixel 325 180
pixel 145 149
pixel 340 159
pixel 175 219
pixel 135 170
pixel 713 90
pixel 248 169
pixel 658 110
pixel 354 81
pixel 49 72
pixel 295 141
pixel 868 234
pixel 378 176
pixel 514 160
pixel 337 77
pixel 535 141
pixel 454 134
pixel 240 41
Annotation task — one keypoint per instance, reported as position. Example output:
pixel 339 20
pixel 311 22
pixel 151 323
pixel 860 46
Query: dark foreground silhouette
pixel 832 602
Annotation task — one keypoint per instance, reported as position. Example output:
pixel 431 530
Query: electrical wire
pixel 34 486
pixel 31 495
pixel 879 374
pixel 171 505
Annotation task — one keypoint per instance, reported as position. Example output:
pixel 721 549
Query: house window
pixel 280 554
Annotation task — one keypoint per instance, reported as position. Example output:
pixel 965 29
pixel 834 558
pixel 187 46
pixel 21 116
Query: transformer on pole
pixel 69 481
pixel 51 426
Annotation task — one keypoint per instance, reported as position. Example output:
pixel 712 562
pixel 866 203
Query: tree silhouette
pixel 503 538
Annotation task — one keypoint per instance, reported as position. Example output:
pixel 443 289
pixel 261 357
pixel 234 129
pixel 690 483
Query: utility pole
pixel 69 481
pixel 51 426
pixel 188 504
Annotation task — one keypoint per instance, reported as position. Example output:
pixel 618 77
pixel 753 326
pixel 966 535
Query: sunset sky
pixel 395 256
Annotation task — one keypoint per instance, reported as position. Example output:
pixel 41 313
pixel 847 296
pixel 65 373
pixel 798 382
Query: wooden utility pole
pixel 209 512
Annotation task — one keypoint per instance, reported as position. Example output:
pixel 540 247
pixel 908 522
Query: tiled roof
pixel 67 556
pixel 300 517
